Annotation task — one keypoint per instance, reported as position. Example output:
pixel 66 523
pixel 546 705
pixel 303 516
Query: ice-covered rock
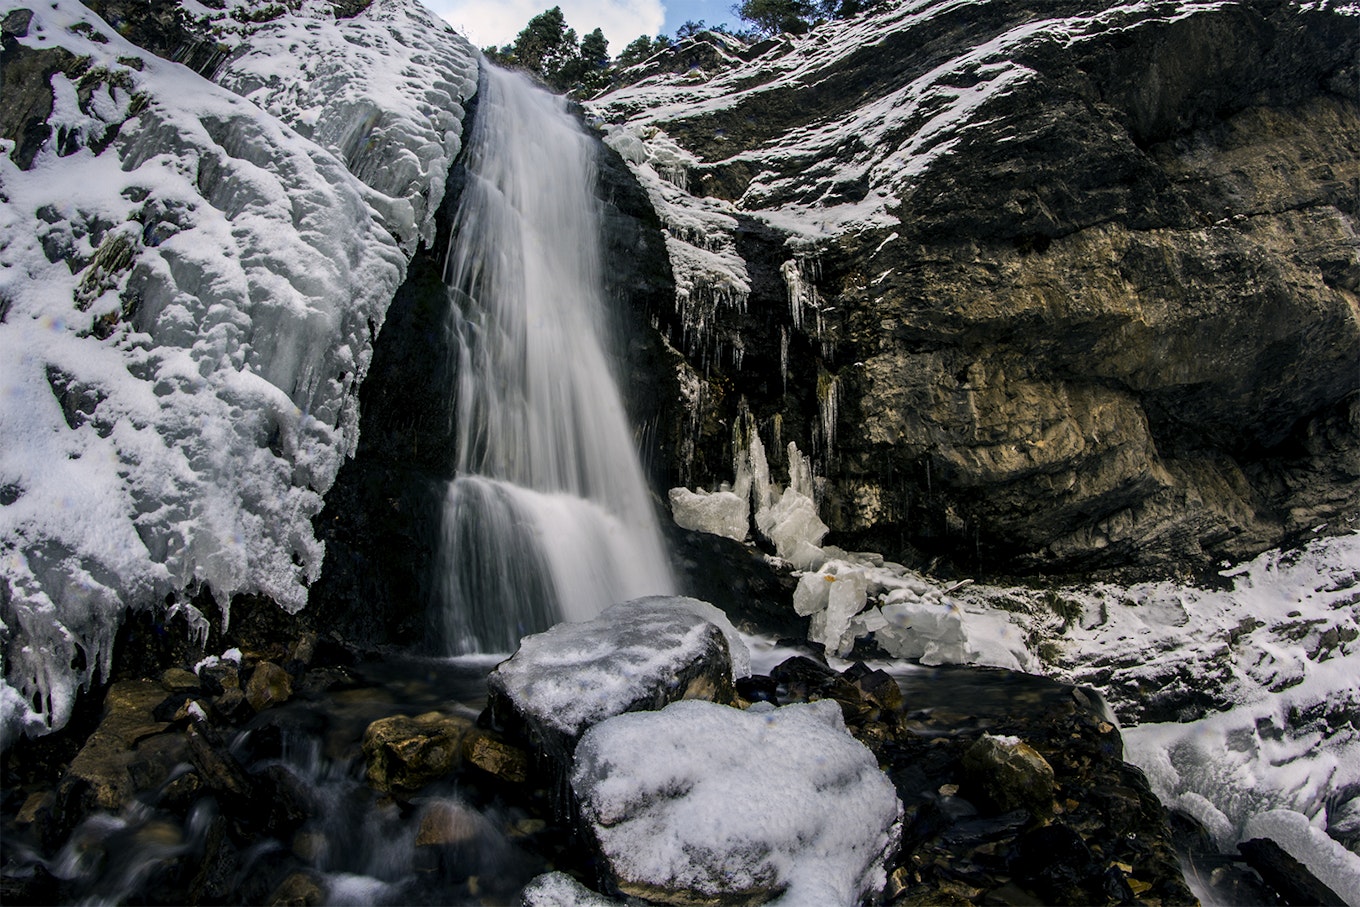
pixel 640 654
pixel 191 289
pixel 700 803
pixel 716 512
pixel 557 889
pixel 383 91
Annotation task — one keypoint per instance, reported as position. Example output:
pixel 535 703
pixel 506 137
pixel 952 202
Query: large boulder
pixel 637 655
pixel 703 804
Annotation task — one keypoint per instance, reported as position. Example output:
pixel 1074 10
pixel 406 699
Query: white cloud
pixel 487 22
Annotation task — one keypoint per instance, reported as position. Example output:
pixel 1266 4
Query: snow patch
pixel 711 799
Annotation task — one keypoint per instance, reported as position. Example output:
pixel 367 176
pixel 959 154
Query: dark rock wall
pixel 1118 326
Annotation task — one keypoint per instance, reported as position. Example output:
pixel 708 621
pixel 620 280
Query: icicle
pixel 783 359
pixel 828 393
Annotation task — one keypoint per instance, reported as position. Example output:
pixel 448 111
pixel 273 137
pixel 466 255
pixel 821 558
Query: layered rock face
pixel 1065 289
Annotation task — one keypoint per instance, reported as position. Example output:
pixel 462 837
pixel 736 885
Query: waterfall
pixel 548 517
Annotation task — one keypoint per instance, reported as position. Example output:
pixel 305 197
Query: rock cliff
pixel 1058 288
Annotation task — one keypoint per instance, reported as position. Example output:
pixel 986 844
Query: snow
pixel 557 889
pixel 708 798
pixel 187 317
pixel 577 674
pixel 895 137
pixel 1278 645
pixel 383 91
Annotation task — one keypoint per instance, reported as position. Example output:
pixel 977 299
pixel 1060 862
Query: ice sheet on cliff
pixel 191 287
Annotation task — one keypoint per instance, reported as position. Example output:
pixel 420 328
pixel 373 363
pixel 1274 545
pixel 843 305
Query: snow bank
pixel 710 800
pixel 1278 652
pixel 190 291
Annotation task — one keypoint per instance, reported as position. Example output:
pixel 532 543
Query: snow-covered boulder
pixel 637 655
pixel 700 803
pixel 191 282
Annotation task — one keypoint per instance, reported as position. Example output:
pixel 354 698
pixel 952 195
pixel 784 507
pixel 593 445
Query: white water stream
pixel 549 517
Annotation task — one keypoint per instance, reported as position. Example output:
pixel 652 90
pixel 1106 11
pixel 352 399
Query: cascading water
pixel 548 517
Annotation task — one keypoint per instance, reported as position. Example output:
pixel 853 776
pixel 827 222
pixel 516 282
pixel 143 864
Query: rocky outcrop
pixel 1063 293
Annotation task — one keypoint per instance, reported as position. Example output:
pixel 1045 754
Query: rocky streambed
pixel 624 757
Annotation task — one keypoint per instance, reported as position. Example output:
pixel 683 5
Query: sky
pixel 488 22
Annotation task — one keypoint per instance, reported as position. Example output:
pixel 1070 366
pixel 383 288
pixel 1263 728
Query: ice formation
pixel 191 288
pixel 549 516
pixel 712 800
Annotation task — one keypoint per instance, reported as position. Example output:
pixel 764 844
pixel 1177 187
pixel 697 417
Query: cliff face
pixel 1064 289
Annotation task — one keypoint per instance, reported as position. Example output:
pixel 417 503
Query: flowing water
pixel 549 517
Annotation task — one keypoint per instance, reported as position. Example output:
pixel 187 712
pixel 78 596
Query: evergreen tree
pixel 774 17
pixel 547 47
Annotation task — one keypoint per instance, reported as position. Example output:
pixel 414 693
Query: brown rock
pixel 447 823
pixel 405 753
pixel 493 755
pixel 178 680
pixel 268 685
pixel 1009 774
pixel 104 761
pixel 298 890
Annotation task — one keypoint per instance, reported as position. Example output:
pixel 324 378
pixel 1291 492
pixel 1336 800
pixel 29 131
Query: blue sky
pixel 497 22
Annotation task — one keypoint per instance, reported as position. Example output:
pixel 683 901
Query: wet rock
pixel 1055 862
pixel 493 755
pixel 1107 818
pixel 268 686
pixel 179 680
pixel 300 889
pixel 233 706
pixel 1007 774
pixel 216 767
pixel 283 800
pixel 219 866
pixel 1294 882
pixel 404 753
pixel 450 838
pixel 31 883
pixel 106 759
pixel 220 677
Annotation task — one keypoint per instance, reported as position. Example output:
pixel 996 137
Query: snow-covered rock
pixel 639 654
pixel 191 288
pixel 557 889
pixel 700 803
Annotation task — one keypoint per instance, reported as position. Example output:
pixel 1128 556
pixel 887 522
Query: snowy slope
pixel 190 285
pixel 1258 687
